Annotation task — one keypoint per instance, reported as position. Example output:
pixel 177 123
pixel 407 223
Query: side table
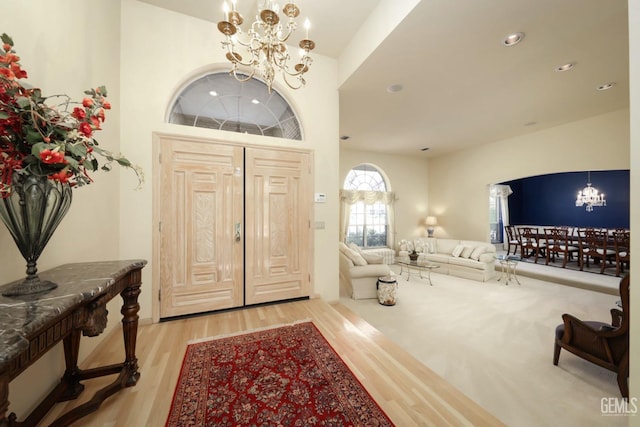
pixel 508 264
pixel 31 325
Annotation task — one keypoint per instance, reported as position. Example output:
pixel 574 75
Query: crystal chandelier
pixel 589 196
pixel 264 44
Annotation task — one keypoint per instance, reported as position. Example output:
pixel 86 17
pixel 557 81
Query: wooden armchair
pixel 600 343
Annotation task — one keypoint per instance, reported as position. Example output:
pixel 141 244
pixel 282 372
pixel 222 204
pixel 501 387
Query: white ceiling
pixel 462 87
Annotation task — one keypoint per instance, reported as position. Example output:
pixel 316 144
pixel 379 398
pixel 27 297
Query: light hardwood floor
pixel 409 392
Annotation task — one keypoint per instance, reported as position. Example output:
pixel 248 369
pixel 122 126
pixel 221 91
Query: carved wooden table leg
pixel 130 308
pixel 72 373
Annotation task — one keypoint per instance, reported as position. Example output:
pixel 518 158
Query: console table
pixel 31 325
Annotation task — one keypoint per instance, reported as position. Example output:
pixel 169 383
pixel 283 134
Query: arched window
pixel 367 203
pixel 219 101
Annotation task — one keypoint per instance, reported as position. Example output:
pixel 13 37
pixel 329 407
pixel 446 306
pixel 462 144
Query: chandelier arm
pixel 239 41
pixel 290 29
pixel 237 59
pixel 249 77
pixel 299 78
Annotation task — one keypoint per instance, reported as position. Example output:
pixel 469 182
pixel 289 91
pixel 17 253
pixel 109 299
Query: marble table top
pixel 77 282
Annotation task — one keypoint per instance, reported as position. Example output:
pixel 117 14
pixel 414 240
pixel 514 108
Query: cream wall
pixel 408 178
pixel 459 182
pixel 159 57
pixel 82 56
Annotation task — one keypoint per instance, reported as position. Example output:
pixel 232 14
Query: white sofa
pixel 461 258
pixel 359 271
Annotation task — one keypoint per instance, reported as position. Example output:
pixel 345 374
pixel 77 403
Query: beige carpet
pixel 495 344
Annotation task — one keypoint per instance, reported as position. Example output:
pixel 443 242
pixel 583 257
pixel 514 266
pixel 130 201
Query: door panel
pixel 278 233
pixel 201 203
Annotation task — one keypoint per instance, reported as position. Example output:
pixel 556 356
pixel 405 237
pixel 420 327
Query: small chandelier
pixel 589 196
pixel 265 44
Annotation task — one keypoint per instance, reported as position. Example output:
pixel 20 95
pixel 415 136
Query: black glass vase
pixel 32 211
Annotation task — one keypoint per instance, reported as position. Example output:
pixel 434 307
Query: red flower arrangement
pixel 44 140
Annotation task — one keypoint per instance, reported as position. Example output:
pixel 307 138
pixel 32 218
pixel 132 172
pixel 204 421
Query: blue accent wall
pixel 551 200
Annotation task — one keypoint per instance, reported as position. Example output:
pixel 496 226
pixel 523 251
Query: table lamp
pixel 431 221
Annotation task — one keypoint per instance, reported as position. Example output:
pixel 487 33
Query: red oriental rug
pixel 286 376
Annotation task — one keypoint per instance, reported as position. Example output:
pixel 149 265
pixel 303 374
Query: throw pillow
pixel 477 252
pixel 343 247
pixel 373 258
pixel 457 250
pixel 355 257
pixel 466 252
pixel 355 247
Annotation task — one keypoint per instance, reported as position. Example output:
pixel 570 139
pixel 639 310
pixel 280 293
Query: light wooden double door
pixel 234 225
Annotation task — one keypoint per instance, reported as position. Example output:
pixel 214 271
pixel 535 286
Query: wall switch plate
pixel 320 197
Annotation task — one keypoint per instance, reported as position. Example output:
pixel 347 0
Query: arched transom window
pixel 368 217
pixel 219 101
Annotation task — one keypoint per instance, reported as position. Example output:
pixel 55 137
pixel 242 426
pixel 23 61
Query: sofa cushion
pixel 465 262
pixel 466 252
pixel 477 251
pixel 457 251
pixel 442 258
pixel 446 246
pixel 487 257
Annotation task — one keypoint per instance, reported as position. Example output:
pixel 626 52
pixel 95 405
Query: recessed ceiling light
pixel 513 39
pixel 531 123
pixel 255 101
pixel 606 86
pixel 394 88
pixel 425 149
pixel 345 137
pixel 565 67
pixel 213 93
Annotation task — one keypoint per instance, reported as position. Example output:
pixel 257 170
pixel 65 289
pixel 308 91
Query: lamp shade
pixel 431 220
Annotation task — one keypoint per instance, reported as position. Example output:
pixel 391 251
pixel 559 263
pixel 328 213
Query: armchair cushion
pixel 354 256
pixel 372 258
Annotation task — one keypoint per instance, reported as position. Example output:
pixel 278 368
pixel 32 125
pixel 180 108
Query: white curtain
pixel 502 192
pixel 349 198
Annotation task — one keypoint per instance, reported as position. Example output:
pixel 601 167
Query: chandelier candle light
pixel 589 196
pixel 265 43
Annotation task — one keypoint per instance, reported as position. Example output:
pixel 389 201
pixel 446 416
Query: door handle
pixel 238 235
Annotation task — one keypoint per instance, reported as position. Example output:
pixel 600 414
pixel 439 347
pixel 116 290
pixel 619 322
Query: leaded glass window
pixel 219 101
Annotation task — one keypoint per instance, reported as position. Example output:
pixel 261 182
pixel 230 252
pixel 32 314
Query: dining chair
pixel 621 241
pixel 531 243
pixel 558 243
pixel 512 239
pixel 596 246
